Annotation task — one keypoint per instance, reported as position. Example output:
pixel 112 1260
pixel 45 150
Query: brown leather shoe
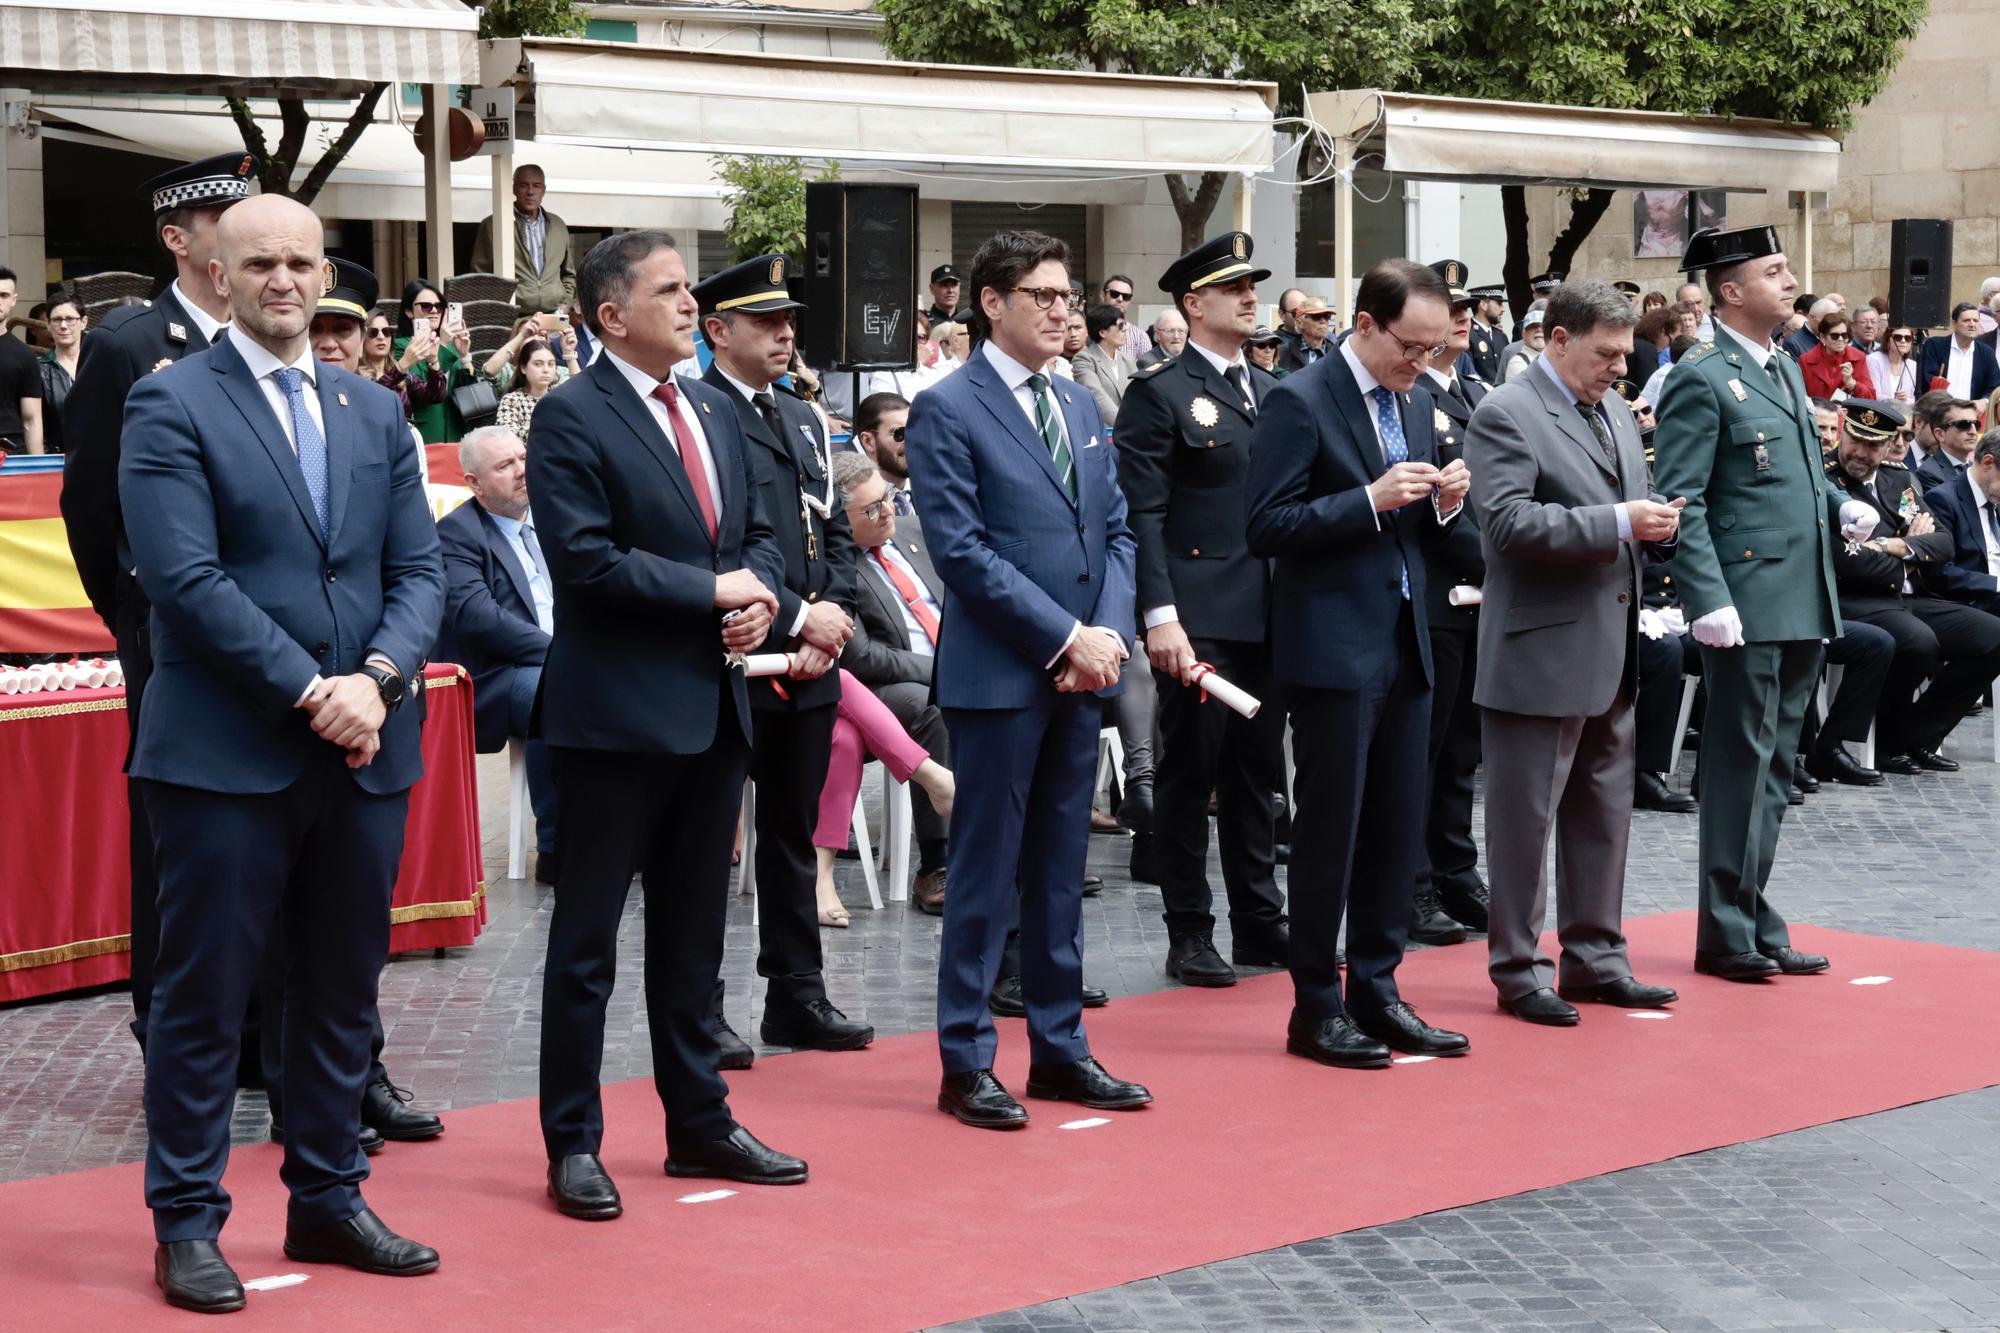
pixel 1103 821
pixel 927 894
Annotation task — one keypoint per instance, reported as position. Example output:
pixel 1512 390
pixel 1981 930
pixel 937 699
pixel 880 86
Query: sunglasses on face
pixel 1902 337
pixel 1961 425
pixel 1319 318
pixel 426 305
pixel 1117 296
pixel 379 331
pixel 897 434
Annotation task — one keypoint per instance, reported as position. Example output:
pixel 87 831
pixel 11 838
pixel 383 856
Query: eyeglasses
pixel 1902 337
pixel 1319 318
pixel 1412 351
pixel 897 433
pixel 1046 297
pixel 426 305
pixel 379 331
pixel 875 512
pixel 1837 336
pixel 65 320
pixel 1110 295
pixel 1973 424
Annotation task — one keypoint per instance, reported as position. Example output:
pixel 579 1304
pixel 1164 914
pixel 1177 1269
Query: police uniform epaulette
pixel 1154 369
pixel 1892 463
pixel 1697 353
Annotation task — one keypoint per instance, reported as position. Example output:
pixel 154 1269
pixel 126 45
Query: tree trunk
pixel 1514 271
pixel 1585 211
pixel 277 168
pixel 1194 208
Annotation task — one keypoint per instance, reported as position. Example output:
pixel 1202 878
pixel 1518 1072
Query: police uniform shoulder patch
pixel 1147 372
pixel 1694 354
pixel 1893 464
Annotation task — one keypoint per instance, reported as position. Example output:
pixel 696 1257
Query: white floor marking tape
pixel 1649 1014
pixel 1871 981
pixel 708 1196
pixel 1412 1059
pixel 1092 1123
pixel 274 1283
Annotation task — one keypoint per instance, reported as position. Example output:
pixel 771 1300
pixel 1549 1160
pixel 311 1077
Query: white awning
pixel 1511 143
pixel 863 112
pixel 383 177
pixel 327 46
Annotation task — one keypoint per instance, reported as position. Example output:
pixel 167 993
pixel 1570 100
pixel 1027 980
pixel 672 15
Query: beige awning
pixel 863 112
pixel 1511 143
pixel 323 46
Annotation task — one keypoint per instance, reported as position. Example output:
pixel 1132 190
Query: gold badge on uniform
pixel 1763 456
pixel 1742 394
pixel 1236 246
pixel 1204 411
pixel 327 278
pixel 778 272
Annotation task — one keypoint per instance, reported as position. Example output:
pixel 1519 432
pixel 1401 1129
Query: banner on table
pixel 42 605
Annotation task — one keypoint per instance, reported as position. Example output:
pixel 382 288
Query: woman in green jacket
pixel 425 348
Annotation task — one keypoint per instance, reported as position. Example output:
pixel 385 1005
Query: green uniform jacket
pixel 1760 524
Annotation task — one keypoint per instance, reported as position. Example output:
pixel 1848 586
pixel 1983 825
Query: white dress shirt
pixel 263 365
pixel 913 629
pixel 204 321
pixel 643 385
pixel 1015 376
pixel 542 595
pixel 1365 381
pixel 1958 369
pixel 1163 615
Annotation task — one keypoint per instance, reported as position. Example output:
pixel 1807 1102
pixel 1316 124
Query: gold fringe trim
pixel 64 953
pixel 402 916
pixel 62 710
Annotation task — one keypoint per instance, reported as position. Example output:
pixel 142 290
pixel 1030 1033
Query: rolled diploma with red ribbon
pixel 1229 696
pixel 767 664
pixel 1464 595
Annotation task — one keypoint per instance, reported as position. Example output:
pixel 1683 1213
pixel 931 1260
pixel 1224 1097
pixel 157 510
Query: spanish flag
pixel 42 606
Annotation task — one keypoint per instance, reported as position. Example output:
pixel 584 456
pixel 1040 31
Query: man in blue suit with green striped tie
pixel 1028 534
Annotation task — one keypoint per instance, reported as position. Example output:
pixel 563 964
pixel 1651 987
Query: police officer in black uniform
pixel 1183 438
pixel 945 287
pixel 748 318
pixel 1881 582
pixel 1450 896
pixel 1485 341
pixel 129 342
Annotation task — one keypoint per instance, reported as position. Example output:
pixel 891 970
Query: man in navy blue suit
pixel 277 521
pixel 1968 507
pixel 662 561
pixel 1968 365
pixel 1028 535
pixel 499 611
pixel 1347 496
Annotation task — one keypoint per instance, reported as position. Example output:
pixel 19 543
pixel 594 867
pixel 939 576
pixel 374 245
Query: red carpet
pixel 912 1220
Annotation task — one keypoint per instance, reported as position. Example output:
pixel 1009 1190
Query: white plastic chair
pixel 517 807
pixel 859 820
pixel 898 835
pixel 1689 684
pixel 1110 760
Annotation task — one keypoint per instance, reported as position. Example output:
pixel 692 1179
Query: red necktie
pixel 690 453
pixel 913 599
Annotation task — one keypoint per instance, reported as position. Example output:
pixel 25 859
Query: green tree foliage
pixel 1297 44
pixel 767 204
pixel 532 18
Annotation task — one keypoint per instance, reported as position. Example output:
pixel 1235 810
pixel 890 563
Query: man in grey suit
pixel 1559 480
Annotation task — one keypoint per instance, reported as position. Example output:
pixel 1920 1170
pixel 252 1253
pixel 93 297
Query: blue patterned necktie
pixel 311 444
pixel 1395 447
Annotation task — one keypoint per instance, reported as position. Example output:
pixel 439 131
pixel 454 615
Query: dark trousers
pixel 1452 758
pixel 1358 833
pixel 1206 747
pixel 1955 647
pixel 317 860
pixel 1020 833
pixel 1749 745
pixel 1864 654
pixel 911 704
pixel 672 818
pixel 1662 663
pixel 271 1030
pixel 541 768
pixel 788 763
pixel 135 659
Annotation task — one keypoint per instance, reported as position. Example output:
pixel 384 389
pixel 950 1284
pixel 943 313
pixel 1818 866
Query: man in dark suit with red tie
pixel 1346 495
pixel 662 561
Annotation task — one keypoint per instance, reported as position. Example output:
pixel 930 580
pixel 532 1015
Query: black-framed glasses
pixel 432 306
pixel 1837 336
pixel 896 433
pixel 1902 337
pixel 875 512
pixel 1412 351
pixel 64 320
pixel 1110 295
pixel 1320 317
pixel 1046 297
pixel 379 331
pixel 1973 424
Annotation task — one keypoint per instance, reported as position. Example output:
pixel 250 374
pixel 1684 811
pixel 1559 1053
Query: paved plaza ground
pixel 1887 1221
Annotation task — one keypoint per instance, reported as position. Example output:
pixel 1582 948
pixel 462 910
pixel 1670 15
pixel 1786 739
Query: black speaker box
pixel 860 277
pixel 1920 272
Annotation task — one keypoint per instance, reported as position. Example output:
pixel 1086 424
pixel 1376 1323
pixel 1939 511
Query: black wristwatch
pixel 388 682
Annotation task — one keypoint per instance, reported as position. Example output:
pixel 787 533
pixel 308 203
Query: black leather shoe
pixel 1144 867
pixel 1085 1083
pixel 547 866
pixel 384 1109
pixel 1004 1000
pixel 735 1053
pixel 1193 961
pixel 1269 947
pixel 1934 762
pixel 1795 964
pixel 1653 793
pixel 815 1025
pixel 195 1276
pixel 977 1099
pixel 361 1242
pixel 1095 997
pixel 1836 765
pixel 1900 764
pixel 1736 966
pixel 1335 1041
pixel 1802 777
pixel 371 1141
pixel 1542 1006
pixel 1093 885
pixel 1793 796
pixel 738 1157
pixel 1399 1028
pixel 1135 812
pixel 1429 924
pixel 1622 993
pixel 1463 903
pixel 582 1188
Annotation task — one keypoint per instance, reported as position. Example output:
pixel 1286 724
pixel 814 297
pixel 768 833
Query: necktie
pixel 906 588
pixel 690 454
pixel 900 501
pixel 1457 390
pixel 1597 429
pixel 311 444
pixel 534 545
pixel 1992 522
pixel 1052 433
pixel 539 586
pixel 1240 379
pixel 767 408
pixel 1395 447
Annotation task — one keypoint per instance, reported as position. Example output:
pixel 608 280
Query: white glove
pixel 1719 629
pixel 1674 620
pixel 1858 520
pixel 1650 623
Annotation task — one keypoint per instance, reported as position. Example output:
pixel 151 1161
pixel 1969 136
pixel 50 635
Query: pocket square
pixel 1092 444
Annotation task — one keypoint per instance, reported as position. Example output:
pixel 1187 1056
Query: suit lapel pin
pixel 704 407
pixel 177 332
pixel 343 399
pixel 1733 361
pixel 1742 394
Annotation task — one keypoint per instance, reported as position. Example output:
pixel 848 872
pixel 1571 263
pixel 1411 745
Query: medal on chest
pixel 1204 411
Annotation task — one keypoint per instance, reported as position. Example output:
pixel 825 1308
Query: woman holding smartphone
pixel 428 350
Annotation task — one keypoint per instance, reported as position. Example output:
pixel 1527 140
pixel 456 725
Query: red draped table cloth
pixel 65 885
